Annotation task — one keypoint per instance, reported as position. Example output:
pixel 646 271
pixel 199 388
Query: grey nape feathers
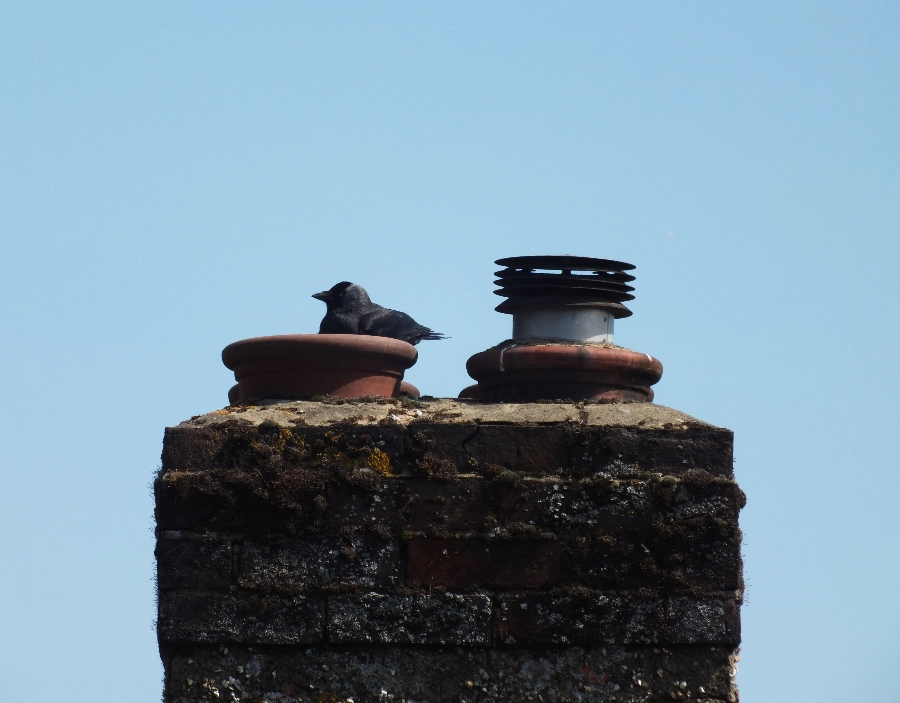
pixel 351 312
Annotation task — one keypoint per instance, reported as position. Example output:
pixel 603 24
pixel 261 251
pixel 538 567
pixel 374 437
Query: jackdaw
pixel 351 312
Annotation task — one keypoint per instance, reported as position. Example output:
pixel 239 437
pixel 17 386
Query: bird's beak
pixel 323 296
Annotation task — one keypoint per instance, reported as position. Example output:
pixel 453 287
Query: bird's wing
pixel 384 322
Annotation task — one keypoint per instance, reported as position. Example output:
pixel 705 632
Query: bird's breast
pixel 336 323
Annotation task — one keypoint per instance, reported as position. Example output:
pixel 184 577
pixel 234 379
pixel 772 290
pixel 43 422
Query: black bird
pixel 351 312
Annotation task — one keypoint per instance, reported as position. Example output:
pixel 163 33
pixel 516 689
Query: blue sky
pixel 175 176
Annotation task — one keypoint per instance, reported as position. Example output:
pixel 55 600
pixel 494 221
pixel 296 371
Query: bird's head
pixel 344 296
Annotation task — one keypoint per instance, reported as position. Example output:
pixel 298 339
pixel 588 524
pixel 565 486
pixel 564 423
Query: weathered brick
pixel 719 501
pixel 650 559
pixel 610 562
pixel 556 504
pixel 590 675
pixel 432 446
pixel 534 450
pixel 373 674
pixel 448 619
pixel 182 505
pixel 211 446
pixel 402 504
pixel 692 620
pixel 350 506
pixel 298 565
pixel 240 444
pixel 618 451
pixel 367 674
pixel 197 616
pixel 461 505
pixel 193 563
pixel 239 501
pixel 696 672
pixel 481 563
pixel 710 563
pixel 590 619
pixel 299 500
pixel 348 445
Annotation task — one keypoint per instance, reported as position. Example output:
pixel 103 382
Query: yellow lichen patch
pixel 223 411
pixel 284 436
pixel 380 461
pixel 331 457
pixel 325 697
pixel 278 438
pixel 300 444
pixel 334 437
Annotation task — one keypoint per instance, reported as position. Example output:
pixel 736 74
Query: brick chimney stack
pixel 448 550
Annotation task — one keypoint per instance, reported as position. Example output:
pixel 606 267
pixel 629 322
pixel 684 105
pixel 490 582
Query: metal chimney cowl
pixel 564 310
